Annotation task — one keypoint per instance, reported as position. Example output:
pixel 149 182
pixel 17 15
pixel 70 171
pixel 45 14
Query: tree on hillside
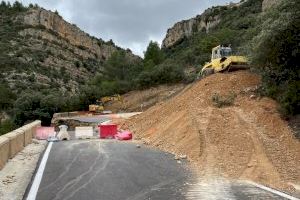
pixel 18 6
pixel 6 98
pixel 276 54
pixel 6 126
pixel 118 76
pixel 3 4
pixel 121 67
pixel 153 54
pixel 116 66
pixel 34 105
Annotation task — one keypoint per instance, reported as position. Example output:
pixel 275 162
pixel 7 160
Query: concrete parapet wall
pixel 15 141
pixel 28 134
pixel 4 151
pixel 34 125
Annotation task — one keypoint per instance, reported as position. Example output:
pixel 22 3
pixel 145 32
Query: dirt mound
pixel 140 100
pixel 247 140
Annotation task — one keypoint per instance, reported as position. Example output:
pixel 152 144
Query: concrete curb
pixel 281 194
pixel 15 141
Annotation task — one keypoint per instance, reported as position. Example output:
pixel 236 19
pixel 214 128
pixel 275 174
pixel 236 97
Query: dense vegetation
pixel 276 53
pixel 25 98
pixel 271 40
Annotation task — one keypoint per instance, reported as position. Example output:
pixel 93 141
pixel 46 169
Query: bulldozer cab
pixel 220 52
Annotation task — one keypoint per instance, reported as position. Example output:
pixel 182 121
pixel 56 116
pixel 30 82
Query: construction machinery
pixel 107 99
pixel 96 108
pixel 222 60
pixel 99 106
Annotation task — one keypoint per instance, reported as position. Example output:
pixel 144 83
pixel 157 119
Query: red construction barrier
pixel 125 135
pixel 108 131
pixel 42 133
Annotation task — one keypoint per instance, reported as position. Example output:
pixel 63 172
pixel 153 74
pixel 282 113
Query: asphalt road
pixel 112 170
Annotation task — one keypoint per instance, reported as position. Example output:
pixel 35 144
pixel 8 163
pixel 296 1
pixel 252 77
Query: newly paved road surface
pixel 111 170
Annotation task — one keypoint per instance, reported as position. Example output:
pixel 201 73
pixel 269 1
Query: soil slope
pixel 140 100
pixel 247 140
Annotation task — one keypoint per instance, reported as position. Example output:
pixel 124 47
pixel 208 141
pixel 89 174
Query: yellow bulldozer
pixel 223 60
pixel 99 106
pixel 107 99
pixel 96 108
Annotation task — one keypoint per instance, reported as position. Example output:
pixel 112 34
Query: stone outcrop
pixel 39 17
pixel 200 23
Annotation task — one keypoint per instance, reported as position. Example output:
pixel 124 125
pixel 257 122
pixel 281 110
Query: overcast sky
pixel 130 23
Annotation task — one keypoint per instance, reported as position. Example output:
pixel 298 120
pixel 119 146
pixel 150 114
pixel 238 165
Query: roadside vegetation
pixel 223 101
pixel 275 54
pixel 271 40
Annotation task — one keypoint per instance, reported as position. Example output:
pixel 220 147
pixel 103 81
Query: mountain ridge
pixel 52 52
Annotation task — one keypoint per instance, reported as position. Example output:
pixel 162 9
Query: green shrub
pixel 161 74
pixel 154 53
pixel 223 101
pixel 6 126
pixel 276 52
pixel 7 97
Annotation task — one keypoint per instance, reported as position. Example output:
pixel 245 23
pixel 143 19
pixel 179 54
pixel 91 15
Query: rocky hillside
pixel 205 22
pixel 201 23
pixel 258 29
pixel 40 50
pixel 266 4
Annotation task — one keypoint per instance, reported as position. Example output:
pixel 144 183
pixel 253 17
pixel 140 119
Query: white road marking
pixel 213 189
pixel 38 177
pixel 273 191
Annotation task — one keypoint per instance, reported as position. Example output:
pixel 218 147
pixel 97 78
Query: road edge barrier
pixel 15 141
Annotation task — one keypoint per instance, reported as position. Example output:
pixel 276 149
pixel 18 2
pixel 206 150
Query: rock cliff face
pixel 76 37
pixel 200 23
pixel 40 50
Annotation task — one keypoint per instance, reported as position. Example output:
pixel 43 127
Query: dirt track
pixel 248 140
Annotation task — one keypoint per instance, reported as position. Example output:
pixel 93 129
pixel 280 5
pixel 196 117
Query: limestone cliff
pixel 186 28
pixel 40 50
pixel 205 22
pixel 51 21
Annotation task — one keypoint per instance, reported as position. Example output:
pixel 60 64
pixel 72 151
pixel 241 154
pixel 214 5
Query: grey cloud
pixel 130 23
